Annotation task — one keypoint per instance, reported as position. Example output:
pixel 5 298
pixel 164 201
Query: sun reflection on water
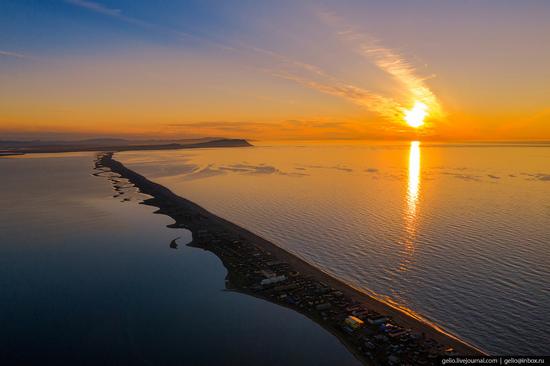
pixel 410 215
pixel 413 186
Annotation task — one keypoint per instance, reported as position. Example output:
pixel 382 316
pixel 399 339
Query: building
pixel 377 320
pixel 353 322
pixel 272 280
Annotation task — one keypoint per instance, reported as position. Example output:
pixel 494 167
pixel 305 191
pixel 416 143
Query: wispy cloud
pixel 90 5
pixel 299 129
pixel 314 77
pixel 119 15
pixel 14 55
pixel 219 126
pixel 104 10
pixel 386 107
pixel 387 60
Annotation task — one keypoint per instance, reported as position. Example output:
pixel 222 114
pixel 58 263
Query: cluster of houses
pixel 372 336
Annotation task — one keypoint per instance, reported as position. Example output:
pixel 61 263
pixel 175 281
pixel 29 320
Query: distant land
pixel 113 144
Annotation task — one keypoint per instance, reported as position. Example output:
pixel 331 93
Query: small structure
pixel 354 322
pixel 377 320
pixel 272 280
pixel 268 273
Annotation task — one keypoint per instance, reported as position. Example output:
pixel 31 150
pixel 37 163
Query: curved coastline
pixel 239 248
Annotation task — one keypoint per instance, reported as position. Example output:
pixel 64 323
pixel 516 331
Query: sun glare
pixel 415 116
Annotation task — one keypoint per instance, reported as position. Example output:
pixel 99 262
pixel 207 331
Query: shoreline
pixel 262 269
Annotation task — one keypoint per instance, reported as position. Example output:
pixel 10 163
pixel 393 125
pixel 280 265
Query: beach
pixel 262 269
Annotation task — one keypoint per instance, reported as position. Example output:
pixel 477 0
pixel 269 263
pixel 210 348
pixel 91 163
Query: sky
pixel 275 70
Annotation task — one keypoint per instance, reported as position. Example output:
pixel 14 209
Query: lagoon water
pixel 90 279
pixel 459 234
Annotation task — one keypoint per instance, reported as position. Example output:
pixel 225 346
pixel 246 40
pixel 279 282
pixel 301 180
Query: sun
pixel 415 116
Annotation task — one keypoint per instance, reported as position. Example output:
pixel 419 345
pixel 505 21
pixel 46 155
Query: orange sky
pixel 327 74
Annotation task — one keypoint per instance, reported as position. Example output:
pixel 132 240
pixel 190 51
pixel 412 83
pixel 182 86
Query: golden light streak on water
pixel 413 186
pixel 410 216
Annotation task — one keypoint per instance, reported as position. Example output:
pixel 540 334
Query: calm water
pixel 89 279
pixel 457 233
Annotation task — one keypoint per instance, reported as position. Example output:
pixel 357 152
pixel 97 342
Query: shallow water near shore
pixel 88 278
pixel 457 233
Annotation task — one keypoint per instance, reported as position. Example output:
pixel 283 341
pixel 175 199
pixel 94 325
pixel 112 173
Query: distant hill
pixel 213 143
pixel 27 147
pixel 222 143
pixel 12 144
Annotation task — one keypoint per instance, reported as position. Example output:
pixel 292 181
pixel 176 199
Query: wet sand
pixel 195 218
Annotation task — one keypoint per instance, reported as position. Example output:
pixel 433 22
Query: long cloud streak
pixel 13 54
pixel 119 15
pixel 387 60
pixel 114 13
pixel 315 78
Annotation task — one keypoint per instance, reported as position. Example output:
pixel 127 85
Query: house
pixel 353 322
pixel 377 320
pixel 272 280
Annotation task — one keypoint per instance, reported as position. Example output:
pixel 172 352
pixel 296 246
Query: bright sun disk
pixel 415 116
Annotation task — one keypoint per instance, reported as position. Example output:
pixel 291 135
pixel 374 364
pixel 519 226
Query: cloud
pixel 90 5
pixel 296 128
pixel 114 13
pixel 220 126
pixel 14 55
pixel 395 64
pixel 385 107
pixel 118 14
pixel 387 60
pixel 313 77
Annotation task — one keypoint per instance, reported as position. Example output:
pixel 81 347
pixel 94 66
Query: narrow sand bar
pixel 304 288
